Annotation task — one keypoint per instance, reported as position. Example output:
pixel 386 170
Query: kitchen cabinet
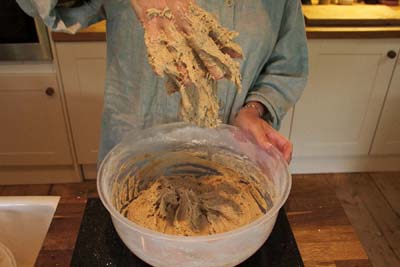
pixel 33 128
pixel 387 138
pixel 83 67
pixel 339 111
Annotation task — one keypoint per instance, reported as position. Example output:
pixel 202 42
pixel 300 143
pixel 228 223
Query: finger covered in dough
pixel 214 44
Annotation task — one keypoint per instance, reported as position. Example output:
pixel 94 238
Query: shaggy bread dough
pixel 198 197
pixel 185 205
pixel 183 55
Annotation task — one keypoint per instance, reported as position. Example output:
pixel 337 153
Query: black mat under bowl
pixel 98 244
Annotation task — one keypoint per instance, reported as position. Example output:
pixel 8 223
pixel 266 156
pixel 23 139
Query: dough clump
pixel 193 58
pixel 198 197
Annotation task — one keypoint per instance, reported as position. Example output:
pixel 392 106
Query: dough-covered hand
pixel 189 45
pixel 250 121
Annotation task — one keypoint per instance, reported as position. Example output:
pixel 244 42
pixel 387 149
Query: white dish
pixel 24 222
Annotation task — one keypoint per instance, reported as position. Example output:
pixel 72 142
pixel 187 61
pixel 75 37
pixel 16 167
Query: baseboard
pixel 89 171
pixel 345 164
pixel 38 175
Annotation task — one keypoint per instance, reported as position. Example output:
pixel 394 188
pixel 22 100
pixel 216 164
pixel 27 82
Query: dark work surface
pixel 98 244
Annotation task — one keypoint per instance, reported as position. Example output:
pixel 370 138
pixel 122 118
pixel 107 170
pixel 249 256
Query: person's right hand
pixel 190 46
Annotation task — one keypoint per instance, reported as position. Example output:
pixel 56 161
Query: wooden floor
pixel 371 202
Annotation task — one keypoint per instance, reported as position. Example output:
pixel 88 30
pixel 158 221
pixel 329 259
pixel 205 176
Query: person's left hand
pixel 249 120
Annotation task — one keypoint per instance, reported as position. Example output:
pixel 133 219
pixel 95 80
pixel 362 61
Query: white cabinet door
pixel 387 138
pixel 33 129
pixel 83 67
pixel 339 110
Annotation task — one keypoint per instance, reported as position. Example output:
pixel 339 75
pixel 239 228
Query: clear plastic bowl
pixel 224 249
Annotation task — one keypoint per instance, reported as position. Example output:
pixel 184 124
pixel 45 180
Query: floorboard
pixel 389 185
pixel 24 190
pixel 373 219
pixel 76 190
pixel 320 224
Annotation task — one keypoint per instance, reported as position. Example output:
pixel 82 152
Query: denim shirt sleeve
pixel 61 19
pixel 284 76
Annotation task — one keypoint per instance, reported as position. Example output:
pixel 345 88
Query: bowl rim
pixel 115 215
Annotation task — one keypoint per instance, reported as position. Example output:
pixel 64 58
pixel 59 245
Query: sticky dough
pixel 181 56
pixel 216 200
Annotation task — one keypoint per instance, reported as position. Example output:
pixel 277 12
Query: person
pixel 274 68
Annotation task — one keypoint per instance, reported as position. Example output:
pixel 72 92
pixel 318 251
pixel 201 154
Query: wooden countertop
pixel 351 15
pixel 322 230
pixel 327 23
pixel 96 32
pixel 353 21
pixel 352 32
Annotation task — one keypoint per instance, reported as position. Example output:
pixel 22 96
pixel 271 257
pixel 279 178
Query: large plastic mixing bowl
pixel 225 249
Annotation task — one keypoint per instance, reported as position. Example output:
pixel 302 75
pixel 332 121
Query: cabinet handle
pixel 391 54
pixel 50 91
